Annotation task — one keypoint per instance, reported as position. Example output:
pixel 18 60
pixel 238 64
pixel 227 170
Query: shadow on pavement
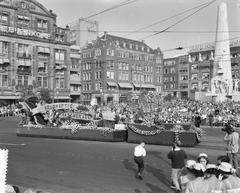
pixel 158 155
pixel 137 191
pixel 154 189
pixel 159 174
pixel 130 166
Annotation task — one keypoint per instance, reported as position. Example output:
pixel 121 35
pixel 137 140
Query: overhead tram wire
pixel 166 19
pixel 181 20
pixel 108 9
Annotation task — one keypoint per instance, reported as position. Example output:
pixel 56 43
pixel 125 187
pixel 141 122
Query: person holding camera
pixel 232 140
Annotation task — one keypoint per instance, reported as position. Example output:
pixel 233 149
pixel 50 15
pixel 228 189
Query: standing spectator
pixel 232 139
pixel 210 119
pixel 139 154
pixel 197 120
pixel 177 157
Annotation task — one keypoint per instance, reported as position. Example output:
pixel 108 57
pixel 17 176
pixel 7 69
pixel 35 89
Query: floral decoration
pixel 147 133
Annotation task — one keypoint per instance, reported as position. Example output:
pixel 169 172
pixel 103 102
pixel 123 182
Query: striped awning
pixel 124 85
pixel 112 84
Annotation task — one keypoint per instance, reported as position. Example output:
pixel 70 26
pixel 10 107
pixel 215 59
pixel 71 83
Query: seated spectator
pixel 203 159
pixel 186 174
pixel 198 185
pixel 213 184
pixel 230 182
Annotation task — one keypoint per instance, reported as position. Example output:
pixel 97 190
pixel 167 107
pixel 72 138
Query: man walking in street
pixel 139 154
pixel 177 157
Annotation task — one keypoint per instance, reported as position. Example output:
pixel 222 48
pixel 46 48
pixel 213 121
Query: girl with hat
pixel 198 185
pixel 213 183
pixel 203 159
pixel 230 183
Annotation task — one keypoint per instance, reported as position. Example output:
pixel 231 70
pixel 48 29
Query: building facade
pixel 83 31
pixel 201 58
pixel 34 52
pixel 170 76
pixel 75 73
pixel 114 68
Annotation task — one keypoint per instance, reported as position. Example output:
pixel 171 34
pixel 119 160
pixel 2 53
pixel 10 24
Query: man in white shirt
pixel 139 154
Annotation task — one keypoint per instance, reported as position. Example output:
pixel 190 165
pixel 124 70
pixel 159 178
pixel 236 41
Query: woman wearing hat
pixel 198 185
pixel 213 183
pixel 203 159
pixel 230 183
pixel 186 174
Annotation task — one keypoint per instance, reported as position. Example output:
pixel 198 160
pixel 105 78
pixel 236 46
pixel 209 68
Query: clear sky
pixel 198 28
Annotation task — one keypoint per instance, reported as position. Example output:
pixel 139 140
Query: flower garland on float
pixel 144 132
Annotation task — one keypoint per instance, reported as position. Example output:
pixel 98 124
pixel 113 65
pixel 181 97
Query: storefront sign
pixel 79 116
pixel 58 106
pixel 24 32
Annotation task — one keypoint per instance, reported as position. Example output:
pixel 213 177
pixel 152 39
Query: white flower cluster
pixel 147 133
pixel 33 126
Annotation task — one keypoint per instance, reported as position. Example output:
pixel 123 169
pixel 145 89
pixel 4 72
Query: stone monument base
pixel 208 96
pixel 218 97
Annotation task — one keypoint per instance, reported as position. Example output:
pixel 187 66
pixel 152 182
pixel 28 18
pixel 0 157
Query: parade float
pixel 66 121
pixel 77 121
pixel 147 128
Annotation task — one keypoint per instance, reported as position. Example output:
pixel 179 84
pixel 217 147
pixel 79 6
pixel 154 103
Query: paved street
pixel 73 166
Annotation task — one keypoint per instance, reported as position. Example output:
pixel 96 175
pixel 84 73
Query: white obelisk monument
pixel 222 83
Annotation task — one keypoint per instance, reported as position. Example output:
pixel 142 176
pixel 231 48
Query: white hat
pixel 226 167
pixel 211 166
pixel 9 189
pixel 203 155
pixel 199 166
pixel 190 163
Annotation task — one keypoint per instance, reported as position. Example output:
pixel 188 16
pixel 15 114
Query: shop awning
pixel 138 85
pixel 112 84
pixel 149 86
pixel 124 85
pixel 144 85
pixel 62 97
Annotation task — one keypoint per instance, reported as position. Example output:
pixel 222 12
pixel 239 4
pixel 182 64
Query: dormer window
pixel 136 47
pixel 142 48
pixel 148 50
pixel 117 43
pixel 130 46
pixel 124 44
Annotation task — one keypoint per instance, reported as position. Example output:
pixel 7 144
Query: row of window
pixel 169 86
pixel 169 79
pixel 169 70
pixel 24 21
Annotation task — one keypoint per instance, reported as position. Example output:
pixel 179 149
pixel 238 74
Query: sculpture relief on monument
pixel 222 82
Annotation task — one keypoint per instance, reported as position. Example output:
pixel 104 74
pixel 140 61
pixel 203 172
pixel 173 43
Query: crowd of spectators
pixel 177 111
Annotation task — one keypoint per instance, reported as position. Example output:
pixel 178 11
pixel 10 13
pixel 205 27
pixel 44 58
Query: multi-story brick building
pixel 201 58
pixel 170 76
pixel 34 52
pixel 183 76
pixel 75 73
pixel 114 67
